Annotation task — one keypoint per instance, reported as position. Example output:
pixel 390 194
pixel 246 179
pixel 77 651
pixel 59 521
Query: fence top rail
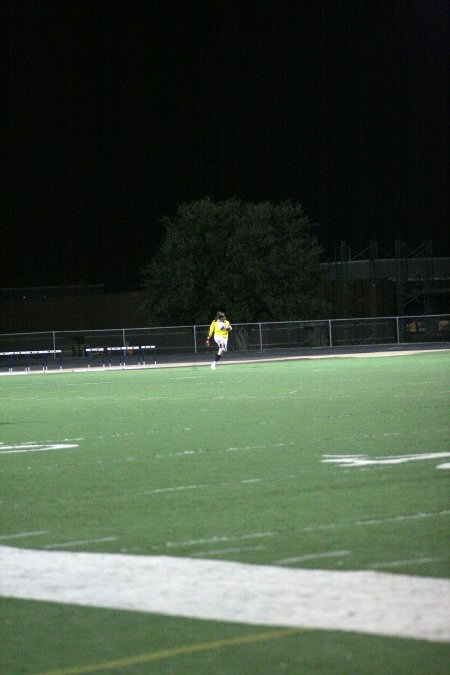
pixel 119 330
pixel 403 316
pixel 35 332
pixel 147 329
pixel 370 318
pixel 241 323
pixel 422 316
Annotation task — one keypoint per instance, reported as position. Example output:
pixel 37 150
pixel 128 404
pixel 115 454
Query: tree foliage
pixel 256 262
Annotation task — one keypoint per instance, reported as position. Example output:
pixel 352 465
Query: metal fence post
pixel 330 335
pixel 260 337
pixel 398 330
pixel 195 339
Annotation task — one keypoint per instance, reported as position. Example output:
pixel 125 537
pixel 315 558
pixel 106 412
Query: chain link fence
pixel 83 348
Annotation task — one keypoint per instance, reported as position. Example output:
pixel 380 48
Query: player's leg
pixel 222 347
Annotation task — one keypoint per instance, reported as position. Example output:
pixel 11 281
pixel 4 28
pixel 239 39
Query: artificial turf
pixel 227 465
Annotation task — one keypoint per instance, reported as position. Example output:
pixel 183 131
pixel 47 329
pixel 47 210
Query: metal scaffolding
pixel 410 270
pixel 413 281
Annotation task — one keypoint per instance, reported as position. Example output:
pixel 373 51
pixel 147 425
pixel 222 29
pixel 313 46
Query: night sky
pixel 119 111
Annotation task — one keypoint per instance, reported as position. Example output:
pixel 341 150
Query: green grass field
pixel 288 464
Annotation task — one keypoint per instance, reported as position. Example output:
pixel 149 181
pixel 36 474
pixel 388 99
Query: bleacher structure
pixel 411 281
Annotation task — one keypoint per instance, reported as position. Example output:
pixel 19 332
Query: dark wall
pixel 354 298
pixel 105 310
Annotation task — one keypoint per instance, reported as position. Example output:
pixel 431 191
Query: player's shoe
pixel 213 365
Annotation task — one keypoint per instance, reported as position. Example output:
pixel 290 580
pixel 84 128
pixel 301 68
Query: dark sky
pixel 119 111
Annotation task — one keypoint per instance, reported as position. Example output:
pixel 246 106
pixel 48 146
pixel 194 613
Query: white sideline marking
pixel 20 535
pixel 311 556
pixel 401 563
pixel 445 465
pixel 364 460
pixel 35 447
pixel 371 602
pixel 64 544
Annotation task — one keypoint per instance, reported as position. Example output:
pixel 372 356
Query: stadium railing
pixel 86 348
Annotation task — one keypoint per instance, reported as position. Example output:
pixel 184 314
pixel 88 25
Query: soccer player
pixel 220 329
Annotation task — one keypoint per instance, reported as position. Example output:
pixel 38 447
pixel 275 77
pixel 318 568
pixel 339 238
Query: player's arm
pixel 210 334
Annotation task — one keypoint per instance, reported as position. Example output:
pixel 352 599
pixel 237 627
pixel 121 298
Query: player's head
pixel 220 315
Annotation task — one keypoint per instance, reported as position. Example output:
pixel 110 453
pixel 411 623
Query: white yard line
pixel 222 551
pixel 307 528
pixel 178 488
pixel 365 601
pixel 34 447
pixel 66 544
pixel 218 539
pixel 311 556
pixel 364 460
pixel 199 486
pixel 259 447
pixel 21 535
pixel 379 521
pixel 182 453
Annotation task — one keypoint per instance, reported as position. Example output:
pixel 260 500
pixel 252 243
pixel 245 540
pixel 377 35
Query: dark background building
pixel 118 111
pixel 354 286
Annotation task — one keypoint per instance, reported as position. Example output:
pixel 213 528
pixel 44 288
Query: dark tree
pixel 254 261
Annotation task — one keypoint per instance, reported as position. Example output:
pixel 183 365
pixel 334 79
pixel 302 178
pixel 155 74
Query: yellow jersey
pixel 221 331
